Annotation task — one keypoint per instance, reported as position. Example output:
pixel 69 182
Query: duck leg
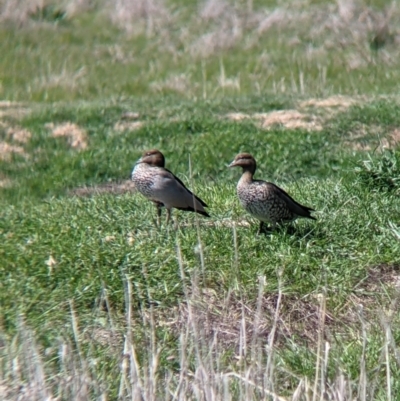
pixel 158 214
pixel 168 216
pixel 261 228
pixel 158 206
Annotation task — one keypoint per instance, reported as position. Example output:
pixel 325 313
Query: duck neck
pixel 247 175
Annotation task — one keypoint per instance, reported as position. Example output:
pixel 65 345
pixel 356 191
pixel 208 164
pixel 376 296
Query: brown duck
pixel 264 200
pixel 159 185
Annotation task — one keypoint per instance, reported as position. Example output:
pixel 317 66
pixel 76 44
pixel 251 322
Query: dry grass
pixel 175 83
pixel 205 327
pixel 224 346
pixel 121 126
pixel 23 12
pixel 19 11
pixel 387 275
pixel 116 188
pixel 13 110
pixel 5 182
pixel 310 115
pixel 326 40
pixel 65 78
pixel 339 103
pixel 140 16
pixel 75 135
pixel 7 151
pixel 223 320
pixel 372 138
pixel 18 134
pixel 349 25
pixel 129 122
pixel 291 119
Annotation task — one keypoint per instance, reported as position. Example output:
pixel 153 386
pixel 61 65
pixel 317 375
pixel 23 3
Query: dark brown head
pixel 152 157
pixel 246 161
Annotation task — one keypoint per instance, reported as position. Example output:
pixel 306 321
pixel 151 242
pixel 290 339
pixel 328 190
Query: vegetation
pixel 99 303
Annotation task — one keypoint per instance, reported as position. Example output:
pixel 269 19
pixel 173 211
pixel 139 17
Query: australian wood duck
pixel 264 200
pixel 162 187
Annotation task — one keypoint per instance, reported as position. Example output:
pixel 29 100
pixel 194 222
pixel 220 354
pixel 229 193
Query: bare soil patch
pixel 371 293
pixel 383 274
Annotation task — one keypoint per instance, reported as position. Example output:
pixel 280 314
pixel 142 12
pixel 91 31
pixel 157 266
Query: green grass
pixel 60 252
pixel 96 302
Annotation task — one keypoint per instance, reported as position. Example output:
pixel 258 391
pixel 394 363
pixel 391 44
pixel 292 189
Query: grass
pixel 205 50
pixel 69 261
pixel 98 303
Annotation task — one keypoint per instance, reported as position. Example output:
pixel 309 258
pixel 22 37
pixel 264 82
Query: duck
pixel 162 187
pixel 264 200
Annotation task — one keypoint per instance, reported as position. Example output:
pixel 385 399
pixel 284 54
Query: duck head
pixel 246 161
pixel 152 157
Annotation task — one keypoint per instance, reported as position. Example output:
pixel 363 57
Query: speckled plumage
pixel 264 200
pixel 162 187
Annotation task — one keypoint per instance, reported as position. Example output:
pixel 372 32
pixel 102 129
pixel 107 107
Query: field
pixel 96 302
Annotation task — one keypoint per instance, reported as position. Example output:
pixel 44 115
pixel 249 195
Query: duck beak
pixel 233 164
pixel 139 161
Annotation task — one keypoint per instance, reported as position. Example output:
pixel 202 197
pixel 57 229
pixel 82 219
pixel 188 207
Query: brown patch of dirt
pixel 18 134
pixel 291 119
pixel 369 295
pixel 383 274
pixel 76 136
pixel 116 188
pixel 6 151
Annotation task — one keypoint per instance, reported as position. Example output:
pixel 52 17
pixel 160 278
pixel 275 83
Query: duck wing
pixel 172 192
pixel 294 206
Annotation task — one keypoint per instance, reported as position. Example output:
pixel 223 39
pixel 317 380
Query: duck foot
pixel 264 229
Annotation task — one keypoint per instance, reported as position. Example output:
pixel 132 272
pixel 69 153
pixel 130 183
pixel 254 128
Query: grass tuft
pixel 382 172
